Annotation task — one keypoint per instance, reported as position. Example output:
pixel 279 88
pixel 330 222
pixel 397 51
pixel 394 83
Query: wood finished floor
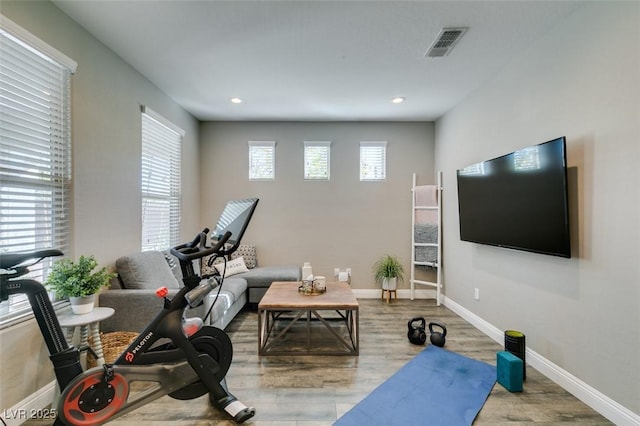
pixel 316 390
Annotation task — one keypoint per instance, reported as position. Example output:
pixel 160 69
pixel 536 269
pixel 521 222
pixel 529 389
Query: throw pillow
pixel 235 266
pixel 145 270
pixel 174 265
pixel 248 252
pixel 205 269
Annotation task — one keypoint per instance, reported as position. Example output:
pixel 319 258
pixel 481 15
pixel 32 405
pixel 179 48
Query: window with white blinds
pixel 35 151
pixel 161 190
pixel 317 157
pixel 262 160
pixel 373 161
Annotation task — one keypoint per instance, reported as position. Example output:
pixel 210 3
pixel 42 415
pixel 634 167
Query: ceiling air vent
pixel 444 42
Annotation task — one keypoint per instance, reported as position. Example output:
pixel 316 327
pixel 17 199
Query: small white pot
pixel 389 283
pixel 82 305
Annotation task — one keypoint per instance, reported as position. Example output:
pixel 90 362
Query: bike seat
pixel 9 260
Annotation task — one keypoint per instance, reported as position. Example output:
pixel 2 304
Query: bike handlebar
pixel 197 249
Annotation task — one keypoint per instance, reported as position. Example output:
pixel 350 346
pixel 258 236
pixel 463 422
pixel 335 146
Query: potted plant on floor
pixel 388 271
pixel 76 281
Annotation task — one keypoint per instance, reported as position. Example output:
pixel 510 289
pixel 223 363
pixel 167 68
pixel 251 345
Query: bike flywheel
pixel 91 400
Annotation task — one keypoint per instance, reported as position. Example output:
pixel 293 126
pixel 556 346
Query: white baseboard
pixel 601 403
pixel 33 406
pixel 403 293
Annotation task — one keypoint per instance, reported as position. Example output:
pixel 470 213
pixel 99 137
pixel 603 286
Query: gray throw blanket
pixel 426 233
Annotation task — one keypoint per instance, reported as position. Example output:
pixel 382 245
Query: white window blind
pixel 161 174
pixel 317 160
pixel 373 161
pixel 262 160
pixel 35 151
pixel 527 159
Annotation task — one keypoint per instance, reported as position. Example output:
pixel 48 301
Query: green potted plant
pixel 388 271
pixel 76 281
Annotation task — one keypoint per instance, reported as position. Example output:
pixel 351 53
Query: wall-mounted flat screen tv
pixel 518 200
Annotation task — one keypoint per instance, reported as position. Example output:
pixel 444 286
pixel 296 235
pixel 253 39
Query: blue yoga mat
pixel 437 387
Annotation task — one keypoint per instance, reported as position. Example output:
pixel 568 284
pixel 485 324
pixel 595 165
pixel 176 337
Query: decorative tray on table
pixel 309 289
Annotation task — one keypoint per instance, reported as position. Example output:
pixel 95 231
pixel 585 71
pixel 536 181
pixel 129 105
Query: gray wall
pixel 106 98
pixel 337 223
pixel 583 81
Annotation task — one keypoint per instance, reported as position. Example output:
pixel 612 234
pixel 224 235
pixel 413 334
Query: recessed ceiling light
pixel 236 100
pixel 398 99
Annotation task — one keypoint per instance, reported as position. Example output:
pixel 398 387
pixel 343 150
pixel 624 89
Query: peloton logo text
pixel 130 355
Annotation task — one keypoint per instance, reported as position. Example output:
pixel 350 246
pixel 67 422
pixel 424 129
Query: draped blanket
pixel 426 233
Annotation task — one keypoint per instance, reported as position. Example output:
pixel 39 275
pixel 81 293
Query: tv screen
pixel 518 201
pixel 235 218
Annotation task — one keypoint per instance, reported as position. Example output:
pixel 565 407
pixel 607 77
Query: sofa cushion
pixel 265 275
pixel 145 270
pixel 232 290
pixel 222 304
pixel 235 286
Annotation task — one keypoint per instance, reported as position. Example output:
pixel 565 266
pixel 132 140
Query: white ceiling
pixel 315 60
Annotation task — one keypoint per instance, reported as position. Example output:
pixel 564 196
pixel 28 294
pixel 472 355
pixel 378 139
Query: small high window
pixel 373 161
pixel 317 156
pixel 262 160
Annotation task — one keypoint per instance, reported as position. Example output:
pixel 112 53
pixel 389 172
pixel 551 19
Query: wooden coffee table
pixel 282 306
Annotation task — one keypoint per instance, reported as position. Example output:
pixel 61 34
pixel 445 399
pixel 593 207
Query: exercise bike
pixel 193 361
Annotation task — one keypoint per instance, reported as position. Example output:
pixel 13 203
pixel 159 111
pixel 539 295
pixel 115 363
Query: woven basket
pixel 112 346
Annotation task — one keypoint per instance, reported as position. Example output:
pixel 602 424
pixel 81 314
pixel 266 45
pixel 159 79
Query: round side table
pixel 86 323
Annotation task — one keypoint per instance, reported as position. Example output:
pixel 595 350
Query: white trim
pixel 487 328
pixel 374 143
pixel 23 410
pixel 160 119
pixel 317 143
pixel 595 399
pixel 262 143
pixel 404 293
pixel 26 314
pixel 19 33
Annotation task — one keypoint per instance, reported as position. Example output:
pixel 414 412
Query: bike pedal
pixel 108 373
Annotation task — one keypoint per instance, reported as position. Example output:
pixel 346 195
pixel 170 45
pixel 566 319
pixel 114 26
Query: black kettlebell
pixel 437 337
pixel 417 334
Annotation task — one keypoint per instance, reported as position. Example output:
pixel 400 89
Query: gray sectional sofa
pixel 139 275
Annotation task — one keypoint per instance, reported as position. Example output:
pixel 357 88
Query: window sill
pixel 14 318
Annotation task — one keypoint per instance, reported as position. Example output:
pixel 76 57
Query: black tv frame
pixel 493 180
